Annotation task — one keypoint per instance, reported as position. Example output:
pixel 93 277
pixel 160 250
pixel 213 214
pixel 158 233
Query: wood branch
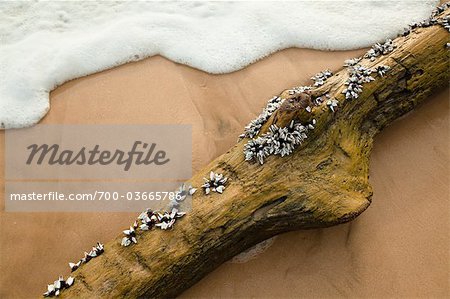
pixel 323 183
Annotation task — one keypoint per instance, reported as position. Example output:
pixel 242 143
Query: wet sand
pixel 398 247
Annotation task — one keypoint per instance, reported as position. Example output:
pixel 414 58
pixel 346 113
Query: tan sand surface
pixel 398 247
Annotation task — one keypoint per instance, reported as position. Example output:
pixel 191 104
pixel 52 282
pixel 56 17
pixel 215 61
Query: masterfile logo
pixel 54 155
pixel 96 167
pixel 99 152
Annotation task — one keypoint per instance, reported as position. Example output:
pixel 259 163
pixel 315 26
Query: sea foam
pixel 44 44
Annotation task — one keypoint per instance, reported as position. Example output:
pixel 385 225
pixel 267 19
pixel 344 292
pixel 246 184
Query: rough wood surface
pixel 323 183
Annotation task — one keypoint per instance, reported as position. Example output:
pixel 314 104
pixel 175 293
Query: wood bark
pixel 323 183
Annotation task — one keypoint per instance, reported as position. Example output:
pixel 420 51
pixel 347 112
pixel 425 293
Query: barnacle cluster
pixel 363 73
pixel 130 235
pixel 354 88
pixel 55 288
pixel 423 24
pixel 181 195
pixel 387 47
pixel 445 22
pixel 257 149
pixel 60 284
pixel 252 129
pixel 432 20
pixel 380 49
pixel 167 220
pixel 215 182
pixel 298 89
pixel 358 76
pixel 281 141
pixel 149 219
pixel 319 100
pixel 320 78
pixel 163 220
pixel 277 141
pixel 381 70
pixel 352 62
pixel 440 9
pixel 96 250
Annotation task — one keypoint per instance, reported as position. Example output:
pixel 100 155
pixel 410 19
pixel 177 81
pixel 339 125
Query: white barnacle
pixel 181 194
pixel 257 149
pixel 381 70
pixel 100 248
pixel 358 75
pixel 74 266
pixel 298 89
pixel 216 183
pixel 332 104
pixel 406 31
pixel 176 214
pixel 96 250
pixel 69 282
pixel 92 253
pixel 320 78
pixel 317 101
pixel 167 220
pixel 445 22
pixel 220 189
pixel 192 190
pixel 50 290
pixel 58 285
pixel 354 88
pixel 252 129
pixel 163 225
pixel 129 232
pixel 125 241
pixel 148 218
pixel 144 214
pixel 413 25
pixel 352 62
pixel 144 226
pixel 130 235
pixel 380 49
pixel 277 141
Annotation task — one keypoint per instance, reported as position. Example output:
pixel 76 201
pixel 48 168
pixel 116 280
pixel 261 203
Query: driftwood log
pixel 323 183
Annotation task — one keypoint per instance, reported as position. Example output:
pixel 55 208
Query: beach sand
pixel 398 247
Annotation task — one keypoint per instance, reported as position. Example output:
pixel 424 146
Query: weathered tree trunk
pixel 323 183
